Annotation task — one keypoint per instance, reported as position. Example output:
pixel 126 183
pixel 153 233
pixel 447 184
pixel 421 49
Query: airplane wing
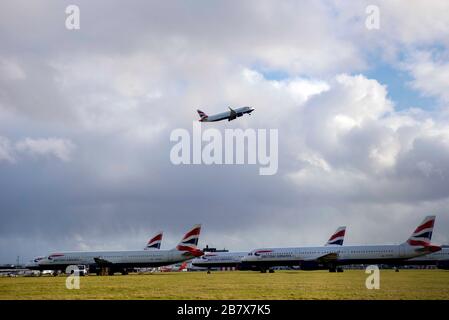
pixel 233 114
pixel 328 257
pixel 101 261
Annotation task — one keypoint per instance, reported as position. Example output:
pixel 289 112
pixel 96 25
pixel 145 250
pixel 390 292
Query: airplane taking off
pixel 313 258
pixel 120 261
pixel 234 259
pixel 155 242
pixel 230 115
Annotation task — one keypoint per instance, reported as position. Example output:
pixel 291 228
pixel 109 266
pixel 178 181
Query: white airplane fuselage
pixel 227 115
pixel 115 259
pixel 220 259
pixel 234 259
pixel 341 255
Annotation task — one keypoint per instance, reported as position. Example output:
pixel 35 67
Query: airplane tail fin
pixel 422 236
pixel 338 237
pixel 189 242
pixel 202 115
pixel 155 242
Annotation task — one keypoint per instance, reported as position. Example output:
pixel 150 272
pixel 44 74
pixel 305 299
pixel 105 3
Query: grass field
pixel 406 284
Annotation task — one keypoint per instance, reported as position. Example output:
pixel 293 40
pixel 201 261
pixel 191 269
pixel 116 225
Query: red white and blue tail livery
pixel 422 235
pixel 202 115
pixel 190 241
pixel 337 238
pixel 155 242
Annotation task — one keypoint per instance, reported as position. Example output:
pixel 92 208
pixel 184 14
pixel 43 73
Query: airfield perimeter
pixel 406 284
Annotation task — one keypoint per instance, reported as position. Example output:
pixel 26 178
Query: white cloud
pixel 11 69
pixel 430 74
pixel 415 23
pixel 404 25
pixel 57 147
pixel 6 150
pixel 355 146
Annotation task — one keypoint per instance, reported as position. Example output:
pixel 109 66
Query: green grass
pixel 406 284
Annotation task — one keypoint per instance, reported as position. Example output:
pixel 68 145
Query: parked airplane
pixel 155 242
pixel 220 259
pixel 110 262
pixel 234 259
pixel 312 258
pixel 229 115
pixel 34 264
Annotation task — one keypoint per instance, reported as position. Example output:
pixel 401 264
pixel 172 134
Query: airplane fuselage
pixel 115 259
pixel 220 259
pixel 344 255
pixel 228 115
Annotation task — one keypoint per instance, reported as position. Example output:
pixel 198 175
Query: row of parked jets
pixel 417 250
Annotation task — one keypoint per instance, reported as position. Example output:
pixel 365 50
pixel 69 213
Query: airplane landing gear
pixel 104 271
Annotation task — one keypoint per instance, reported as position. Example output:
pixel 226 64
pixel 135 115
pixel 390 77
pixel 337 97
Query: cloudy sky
pixel 86 117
